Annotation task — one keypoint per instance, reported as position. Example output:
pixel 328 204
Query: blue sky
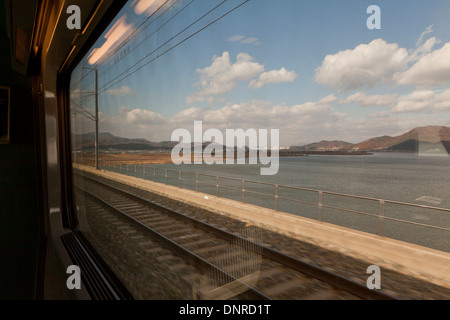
pixel 309 68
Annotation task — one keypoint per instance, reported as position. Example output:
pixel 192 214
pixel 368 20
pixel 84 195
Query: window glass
pixel 247 114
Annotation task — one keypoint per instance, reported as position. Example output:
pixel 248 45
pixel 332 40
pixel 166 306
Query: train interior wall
pixel 19 187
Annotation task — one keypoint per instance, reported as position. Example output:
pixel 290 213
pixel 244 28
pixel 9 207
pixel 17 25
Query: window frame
pixel 68 204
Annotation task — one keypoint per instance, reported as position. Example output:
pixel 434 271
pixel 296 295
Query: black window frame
pixel 68 204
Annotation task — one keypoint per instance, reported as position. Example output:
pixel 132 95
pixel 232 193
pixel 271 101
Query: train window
pixel 267 149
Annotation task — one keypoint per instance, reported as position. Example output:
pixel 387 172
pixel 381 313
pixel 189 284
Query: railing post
pixel 320 205
pixel 243 191
pixel 135 170
pixel 179 178
pixel 217 186
pixel 165 175
pixel 381 219
pixel 154 173
pixel 276 197
pixel 196 181
pixel 143 172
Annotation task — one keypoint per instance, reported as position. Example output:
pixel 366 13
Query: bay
pixel 409 178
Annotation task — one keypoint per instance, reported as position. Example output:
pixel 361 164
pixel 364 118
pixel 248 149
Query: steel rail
pixel 331 278
pixel 186 254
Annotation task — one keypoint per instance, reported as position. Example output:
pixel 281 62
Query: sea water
pixel 402 177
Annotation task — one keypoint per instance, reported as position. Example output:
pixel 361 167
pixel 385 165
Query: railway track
pixel 230 266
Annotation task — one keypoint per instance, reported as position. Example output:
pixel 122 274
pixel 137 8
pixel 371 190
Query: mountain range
pixel 424 139
pixel 107 141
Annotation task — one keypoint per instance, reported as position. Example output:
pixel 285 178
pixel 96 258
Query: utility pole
pixel 95 114
pixel 96 118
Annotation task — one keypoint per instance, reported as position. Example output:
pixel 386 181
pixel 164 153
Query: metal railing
pixel 277 195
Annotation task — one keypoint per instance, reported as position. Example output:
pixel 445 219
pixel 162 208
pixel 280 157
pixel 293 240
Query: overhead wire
pixel 126 40
pixel 166 42
pixel 106 87
pixel 80 110
pixel 149 36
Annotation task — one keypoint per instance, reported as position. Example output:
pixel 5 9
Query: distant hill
pixel 111 143
pixel 107 141
pixel 430 137
pixel 424 139
pixel 421 139
pixel 324 145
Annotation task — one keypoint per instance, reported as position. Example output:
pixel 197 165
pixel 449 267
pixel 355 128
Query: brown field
pixel 160 158
pixel 125 158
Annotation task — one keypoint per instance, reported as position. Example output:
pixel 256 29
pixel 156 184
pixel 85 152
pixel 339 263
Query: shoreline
pixel 165 157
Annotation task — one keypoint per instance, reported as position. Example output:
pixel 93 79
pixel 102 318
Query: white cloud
pixel 432 69
pixel 274 76
pixel 328 99
pixel 428 30
pixel 236 38
pixel 301 123
pixel 415 101
pixel 244 39
pixel 249 40
pixel 362 67
pixel 442 102
pixel 424 49
pixel 222 76
pixel 186 116
pixel 424 100
pixel 363 100
pixel 120 92
pixel 144 117
pixel 380 62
